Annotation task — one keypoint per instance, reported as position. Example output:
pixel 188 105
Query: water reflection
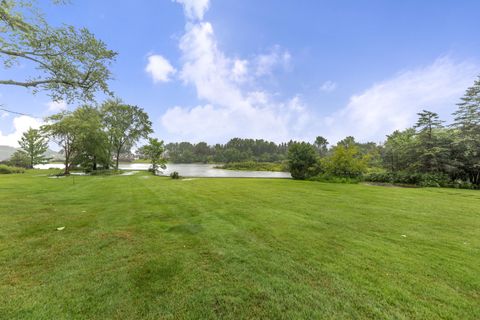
pixel 192 170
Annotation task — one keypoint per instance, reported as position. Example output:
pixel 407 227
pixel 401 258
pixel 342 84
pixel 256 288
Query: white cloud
pixel 266 63
pixel 229 109
pixel 393 103
pixel 4 114
pixel 275 122
pixel 240 70
pixel 20 124
pixel 194 9
pixel 234 104
pixel 328 86
pixel 56 106
pixel 159 68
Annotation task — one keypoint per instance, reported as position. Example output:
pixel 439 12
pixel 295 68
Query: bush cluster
pixel 4 169
pixel 325 177
pixel 410 178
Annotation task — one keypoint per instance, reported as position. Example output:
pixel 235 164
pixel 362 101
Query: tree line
pixel 429 153
pixel 90 137
pixel 235 150
pixel 72 65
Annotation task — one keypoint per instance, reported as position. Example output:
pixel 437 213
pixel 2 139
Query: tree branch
pixel 29 84
pixel 25 56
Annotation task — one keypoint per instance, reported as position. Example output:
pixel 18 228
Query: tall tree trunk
pixel 118 156
pixel 67 167
pixel 109 160
pixel 94 163
pixel 67 152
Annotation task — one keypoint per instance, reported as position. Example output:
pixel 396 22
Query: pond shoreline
pixel 193 171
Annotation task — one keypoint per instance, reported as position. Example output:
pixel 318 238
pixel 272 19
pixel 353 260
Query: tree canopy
pixel 70 63
pixel 124 125
pixel 154 151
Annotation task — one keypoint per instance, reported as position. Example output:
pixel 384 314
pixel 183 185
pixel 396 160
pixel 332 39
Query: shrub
pixel 175 175
pixel 4 169
pixel 434 180
pixel 325 177
pixel 460 184
pixel 419 179
pixel 19 159
pixel 383 177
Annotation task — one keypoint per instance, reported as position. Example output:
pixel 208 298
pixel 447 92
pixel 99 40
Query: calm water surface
pixel 192 170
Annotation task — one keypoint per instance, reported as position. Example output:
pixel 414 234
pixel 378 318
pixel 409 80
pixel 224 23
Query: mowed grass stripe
pixel 142 247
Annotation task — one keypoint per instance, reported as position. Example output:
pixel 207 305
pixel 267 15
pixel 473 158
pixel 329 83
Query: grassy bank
pixel 254 166
pixel 144 247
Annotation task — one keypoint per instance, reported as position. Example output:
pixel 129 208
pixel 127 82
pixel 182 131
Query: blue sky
pixel 216 69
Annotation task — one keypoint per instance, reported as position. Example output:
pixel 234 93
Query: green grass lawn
pixel 142 247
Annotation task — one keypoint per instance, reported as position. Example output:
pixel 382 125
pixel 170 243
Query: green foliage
pixel 154 151
pixel 92 141
pixel 71 63
pixel 345 161
pixel 432 154
pixel 235 150
pixel 410 178
pixel 19 159
pixel 321 144
pixel 64 129
pixel 4 169
pixel 399 152
pixel 302 158
pixel 467 134
pixel 34 144
pixel 325 177
pixel 124 124
pixel 80 135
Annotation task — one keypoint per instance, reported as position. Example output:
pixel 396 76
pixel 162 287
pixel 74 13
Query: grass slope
pixel 140 247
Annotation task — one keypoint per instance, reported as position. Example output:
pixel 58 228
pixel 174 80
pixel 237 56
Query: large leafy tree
pixel 92 142
pixel 467 128
pixel 302 158
pixel 70 63
pixel 124 124
pixel 79 134
pixel 34 144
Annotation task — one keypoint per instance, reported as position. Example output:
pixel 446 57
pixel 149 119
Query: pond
pixel 192 170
